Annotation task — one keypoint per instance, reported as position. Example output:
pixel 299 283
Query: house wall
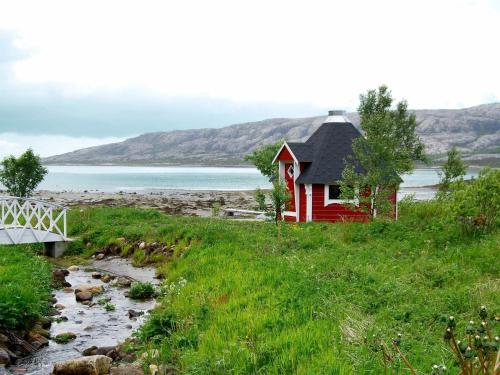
pixel 285 155
pixel 332 212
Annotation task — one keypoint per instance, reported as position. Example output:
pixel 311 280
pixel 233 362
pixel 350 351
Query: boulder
pixel 127 369
pixel 83 296
pixel 106 278
pixel 92 288
pixel 92 365
pixel 59 274
pixel 73 268
pixel 142 245
pixel 100 256
pixel 96 275
pixel 59 306
pixel 124 282
pixel 134 314
pixel 37 340
pixel 68 290
pixel 4 357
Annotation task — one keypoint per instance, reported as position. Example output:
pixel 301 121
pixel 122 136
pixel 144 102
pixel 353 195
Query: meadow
pixel 238 300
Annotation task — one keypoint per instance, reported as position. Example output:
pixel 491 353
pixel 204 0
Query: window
pixel 290 171
pixel 333 192
pixel 332 195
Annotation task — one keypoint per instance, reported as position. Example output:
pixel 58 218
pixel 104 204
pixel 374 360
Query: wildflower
pixel 483 313
pixel 451 322
pixel 470 330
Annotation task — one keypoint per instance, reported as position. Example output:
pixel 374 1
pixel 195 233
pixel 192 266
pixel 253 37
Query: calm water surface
pixel 115 178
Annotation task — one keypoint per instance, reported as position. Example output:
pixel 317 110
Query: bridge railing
pixel 27 214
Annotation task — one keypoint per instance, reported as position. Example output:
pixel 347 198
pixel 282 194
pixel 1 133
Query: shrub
pixel 109 307
pixel 216 209
pixel 477 204
pixel 260 198
pixel 140 290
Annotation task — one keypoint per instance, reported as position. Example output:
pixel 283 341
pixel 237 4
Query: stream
pixel 93 326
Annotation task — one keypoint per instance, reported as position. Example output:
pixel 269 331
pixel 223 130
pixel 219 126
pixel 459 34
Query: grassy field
pixel 237 300
pixel 25 286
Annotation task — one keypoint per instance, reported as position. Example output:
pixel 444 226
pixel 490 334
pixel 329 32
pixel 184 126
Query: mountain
pixel 475 131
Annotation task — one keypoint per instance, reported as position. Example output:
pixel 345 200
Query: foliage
pixel 140 290
pixel 22 175
pixel 388 148
pixel 476 354
pixel 452 172
pixel 477 204
pixel 260 198
pixel 304 305
pixel 20 270
pixel 109 307
pixel 64 338
pixel 263 157
pixel 279 196
pixel 216 209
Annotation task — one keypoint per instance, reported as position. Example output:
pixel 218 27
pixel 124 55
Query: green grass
pixel 140 290
pixel 25 286
pixel 237 300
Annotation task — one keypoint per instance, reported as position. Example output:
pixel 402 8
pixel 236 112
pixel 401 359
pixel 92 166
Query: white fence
pixel 26 220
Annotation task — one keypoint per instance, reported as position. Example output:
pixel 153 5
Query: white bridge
pixel 26 220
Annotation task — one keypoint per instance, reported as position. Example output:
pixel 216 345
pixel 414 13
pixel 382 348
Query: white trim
pixel 338 201
pixel 290 213
pixel 289 150
pixel 308 188
pixel 296 174
pixel 336 118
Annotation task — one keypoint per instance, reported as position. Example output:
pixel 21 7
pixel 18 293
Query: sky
pixel 81 73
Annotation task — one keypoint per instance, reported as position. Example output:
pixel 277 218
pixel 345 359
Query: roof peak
pixel 336 116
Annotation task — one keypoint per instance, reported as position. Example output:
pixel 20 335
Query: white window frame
pixel 329 201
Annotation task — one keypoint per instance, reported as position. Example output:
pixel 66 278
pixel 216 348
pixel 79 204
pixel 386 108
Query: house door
pixel 290 183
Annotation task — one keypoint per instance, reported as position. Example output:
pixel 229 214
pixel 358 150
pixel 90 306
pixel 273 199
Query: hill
pixel 475 131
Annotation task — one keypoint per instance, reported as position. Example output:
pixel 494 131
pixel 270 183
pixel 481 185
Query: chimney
pixel 336 116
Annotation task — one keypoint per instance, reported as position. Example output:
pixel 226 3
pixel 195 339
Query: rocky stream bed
pixel 92 315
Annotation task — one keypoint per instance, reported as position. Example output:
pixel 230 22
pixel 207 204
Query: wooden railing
pixel 22 216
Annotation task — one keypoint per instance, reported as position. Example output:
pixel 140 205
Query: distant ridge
pixel 475 131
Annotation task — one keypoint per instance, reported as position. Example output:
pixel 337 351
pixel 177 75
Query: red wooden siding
pixel 302 202
pixel 285 155
pixel 332 212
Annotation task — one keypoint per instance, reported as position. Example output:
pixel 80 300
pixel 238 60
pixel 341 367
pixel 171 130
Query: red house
pixel 313 168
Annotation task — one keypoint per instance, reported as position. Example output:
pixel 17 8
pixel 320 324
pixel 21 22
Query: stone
pixel 37 340
pixel 59 306
pixel 127 369
pixel 4 357
pixel 96 275
pixel 83 296
pixel 142 245
pixel 92 288
pixel 153 369
pixel 68 290
pixel 45 322
pixel 65 337
pixel 59 274
pixel 73 268
pixel 100 256
pixel 91 365
pixel 106 278
pixel 134 314
pixel 120 239
pixel 124 281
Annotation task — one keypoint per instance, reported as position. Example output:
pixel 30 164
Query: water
pixel 92 325
pixel 116 178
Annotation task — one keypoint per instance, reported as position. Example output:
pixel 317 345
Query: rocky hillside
pixel 476 131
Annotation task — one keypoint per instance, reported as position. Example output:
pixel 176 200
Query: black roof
pixel 325 152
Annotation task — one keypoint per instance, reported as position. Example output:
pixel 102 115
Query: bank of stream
pixel 93 325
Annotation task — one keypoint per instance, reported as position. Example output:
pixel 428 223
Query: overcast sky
pixel 80 73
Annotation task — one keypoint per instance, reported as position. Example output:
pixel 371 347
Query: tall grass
pixel 25 286
pixel 238 300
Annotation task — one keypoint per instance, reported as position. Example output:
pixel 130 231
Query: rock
pixel 59 274
pixel 128 326
pixel 134 314
pixel 127 369
pixel 83 296
pixel 73 268
pixel 106 278
pixel 37 340
pixel 100 256
pixel 68 290
pixel 142 245
pixel 3 339
pixel 92 365
pixel 153 369
pixel 96 275
pixel 4 357
pixel 59 306
pixel 124 281
pixel 120 239
pixel 92 288
pixel 65 337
